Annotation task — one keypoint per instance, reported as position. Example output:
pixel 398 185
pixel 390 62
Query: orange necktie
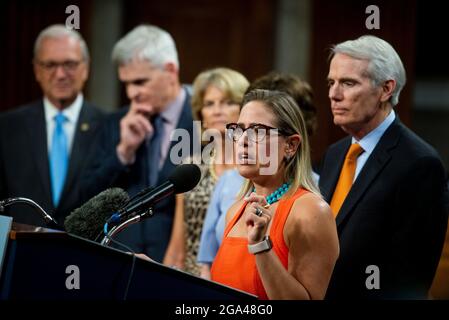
pixel 346 178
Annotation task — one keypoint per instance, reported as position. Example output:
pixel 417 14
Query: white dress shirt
pixel 71 112
pixel 370 141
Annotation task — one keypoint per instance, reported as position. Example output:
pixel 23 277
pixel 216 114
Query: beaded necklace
pixel 277 194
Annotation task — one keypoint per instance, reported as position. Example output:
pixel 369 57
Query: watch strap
pixel 261 246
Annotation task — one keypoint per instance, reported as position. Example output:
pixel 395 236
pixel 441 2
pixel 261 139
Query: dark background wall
pixel 20 23
pixel 234 33
pixel 337 21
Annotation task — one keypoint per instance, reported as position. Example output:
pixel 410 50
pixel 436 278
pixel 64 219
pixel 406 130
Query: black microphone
pixel 87 221
pixel 184 178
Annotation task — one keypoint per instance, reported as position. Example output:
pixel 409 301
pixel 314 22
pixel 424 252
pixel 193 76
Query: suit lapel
pixel 83 136
pixel 37 131
pixel 185 121
pixel 336 163
pixel 380 156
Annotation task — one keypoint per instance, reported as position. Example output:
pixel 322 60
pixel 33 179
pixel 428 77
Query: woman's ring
pixel 259 212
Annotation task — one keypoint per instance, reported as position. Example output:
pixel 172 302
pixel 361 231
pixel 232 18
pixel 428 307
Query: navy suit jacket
pixel 394 217
pixel 24 164
pixel 152 235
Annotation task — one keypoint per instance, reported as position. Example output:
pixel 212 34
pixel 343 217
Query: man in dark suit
pixel 385 185
pixel 134 148
pixel 35 161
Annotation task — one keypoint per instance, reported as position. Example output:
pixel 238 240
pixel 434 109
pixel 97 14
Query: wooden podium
pixel 41 263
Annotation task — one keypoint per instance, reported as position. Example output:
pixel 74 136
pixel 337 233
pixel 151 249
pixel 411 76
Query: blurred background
pixel 251 36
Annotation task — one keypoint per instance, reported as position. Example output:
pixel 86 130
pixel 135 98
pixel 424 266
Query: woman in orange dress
pixel 280 240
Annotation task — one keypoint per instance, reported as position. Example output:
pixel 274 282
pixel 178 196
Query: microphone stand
pixel 49 220
pixel 120 227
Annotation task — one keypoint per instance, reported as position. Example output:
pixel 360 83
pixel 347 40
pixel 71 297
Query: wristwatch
pixel 264 245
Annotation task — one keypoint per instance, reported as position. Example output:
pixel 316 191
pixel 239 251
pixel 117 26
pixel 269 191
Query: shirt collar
pixel 71 112
pixel 173 111
pixel 369 142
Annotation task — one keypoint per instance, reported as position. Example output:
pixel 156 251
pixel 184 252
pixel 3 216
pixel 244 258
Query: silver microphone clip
pixel 49 220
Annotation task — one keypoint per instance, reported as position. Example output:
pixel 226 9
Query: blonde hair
pixel 289 119
pixel 232 83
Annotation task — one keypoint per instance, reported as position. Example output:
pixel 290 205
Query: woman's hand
pixel 257 217
pixel 143 256
pixel 205 271
pixel 175 253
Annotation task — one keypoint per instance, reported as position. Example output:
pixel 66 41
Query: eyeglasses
pixel 256 131
pixel 68 65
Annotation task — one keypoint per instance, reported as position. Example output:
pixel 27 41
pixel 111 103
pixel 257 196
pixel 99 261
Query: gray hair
pixel 59 31
pixel 384 62
pixel 146 42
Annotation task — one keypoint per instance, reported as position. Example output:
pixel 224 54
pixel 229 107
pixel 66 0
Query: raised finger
pixel 144 109
pixel 254 197
pixel 143 122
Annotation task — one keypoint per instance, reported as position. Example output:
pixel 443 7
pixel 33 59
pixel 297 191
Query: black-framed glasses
pixel 256 132
pixel 68 65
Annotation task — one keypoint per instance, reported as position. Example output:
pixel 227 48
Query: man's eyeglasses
pixel 256 132
pixel 68 65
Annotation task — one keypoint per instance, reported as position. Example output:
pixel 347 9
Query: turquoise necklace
pixel 277 194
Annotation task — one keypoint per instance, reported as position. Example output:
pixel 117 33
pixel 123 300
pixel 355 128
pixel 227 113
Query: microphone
pixel 49 220
pixel 87 221
pixel 184 178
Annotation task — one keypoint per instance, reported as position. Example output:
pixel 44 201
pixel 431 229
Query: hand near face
pixel 134 128
pixel 256 225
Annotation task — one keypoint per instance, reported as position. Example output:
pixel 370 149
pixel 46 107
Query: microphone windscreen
pixel 88 220
pixel 185 177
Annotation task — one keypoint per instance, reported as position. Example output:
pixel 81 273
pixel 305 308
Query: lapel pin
pixel 84 127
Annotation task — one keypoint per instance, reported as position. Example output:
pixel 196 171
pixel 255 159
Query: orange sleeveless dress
pixel 234 266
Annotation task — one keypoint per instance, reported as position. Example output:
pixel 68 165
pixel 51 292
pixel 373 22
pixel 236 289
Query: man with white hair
pixel 134 147
pixel 385 185
pixel 43 144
